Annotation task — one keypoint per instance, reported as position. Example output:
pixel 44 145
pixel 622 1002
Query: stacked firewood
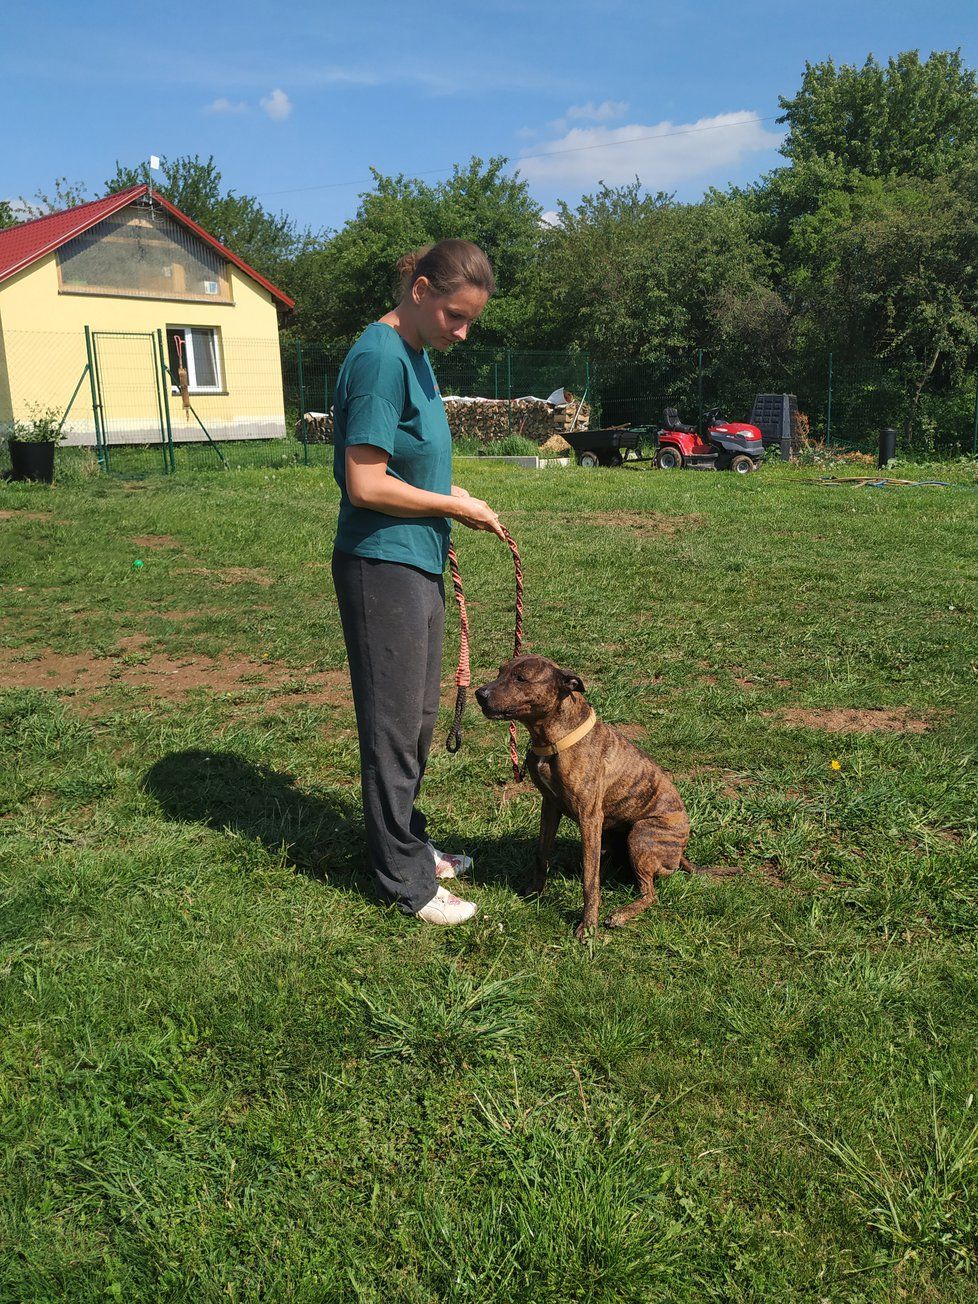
pixel 572 415
pixel 315 428
pixel 489 420
pixel 486 420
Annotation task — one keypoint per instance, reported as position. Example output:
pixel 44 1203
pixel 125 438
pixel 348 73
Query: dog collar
pixel 568 740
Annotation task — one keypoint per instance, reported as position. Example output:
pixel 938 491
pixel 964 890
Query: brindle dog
pixel 592 774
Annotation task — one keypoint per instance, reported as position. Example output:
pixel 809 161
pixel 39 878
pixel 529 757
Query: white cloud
pixel 661 154
pixel 606 111
pixel 223 105
pixel 277 105
pixel 549 218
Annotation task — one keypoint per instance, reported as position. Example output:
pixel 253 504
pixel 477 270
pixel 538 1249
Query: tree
pixel 909 117
pixel 66 194
pixel 353 279
pixel 6 214
pixel 634 275
pixel 888 270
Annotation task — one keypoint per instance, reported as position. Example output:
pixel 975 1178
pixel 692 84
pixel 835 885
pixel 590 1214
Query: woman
pixel 392 462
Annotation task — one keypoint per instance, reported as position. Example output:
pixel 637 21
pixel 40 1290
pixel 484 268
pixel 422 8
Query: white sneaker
pixel 446 909
pixel 449 866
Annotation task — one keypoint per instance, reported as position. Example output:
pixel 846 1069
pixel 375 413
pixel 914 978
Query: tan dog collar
pixel 568 740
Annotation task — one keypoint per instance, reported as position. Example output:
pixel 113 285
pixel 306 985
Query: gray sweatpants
pixel 393 619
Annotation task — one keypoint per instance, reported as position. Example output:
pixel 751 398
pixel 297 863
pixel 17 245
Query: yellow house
pixel 131 318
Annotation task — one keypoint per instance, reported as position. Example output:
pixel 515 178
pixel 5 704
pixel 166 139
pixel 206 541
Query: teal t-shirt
pixel 386 395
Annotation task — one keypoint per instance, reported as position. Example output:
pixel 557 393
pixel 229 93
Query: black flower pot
pixel 31 461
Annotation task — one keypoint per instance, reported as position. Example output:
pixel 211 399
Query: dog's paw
pixel 585 932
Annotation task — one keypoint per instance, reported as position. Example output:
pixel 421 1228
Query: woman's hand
pixel 477 515
pixel 368 485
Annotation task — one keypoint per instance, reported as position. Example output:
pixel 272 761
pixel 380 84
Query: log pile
pixel 315 428
pixel 489 420
pixel 485 420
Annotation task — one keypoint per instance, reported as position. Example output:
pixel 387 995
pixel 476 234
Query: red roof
pixel 25 244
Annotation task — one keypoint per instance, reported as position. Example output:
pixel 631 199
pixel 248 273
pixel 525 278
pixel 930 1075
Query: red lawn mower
pixel 729 445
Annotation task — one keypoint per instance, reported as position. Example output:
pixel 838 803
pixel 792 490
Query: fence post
pixel 828 407
pixel 155 341
pixel 509 391
pixel 699 369
pixel 165 379
pixel 302 403
pixel 91 377
pixel 974 435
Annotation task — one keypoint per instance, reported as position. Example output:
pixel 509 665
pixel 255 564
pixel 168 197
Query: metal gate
pixel 129 394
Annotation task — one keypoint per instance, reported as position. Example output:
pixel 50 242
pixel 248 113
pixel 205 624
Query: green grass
pixel 228 1074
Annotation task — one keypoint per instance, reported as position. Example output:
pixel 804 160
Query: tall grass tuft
pixel 449 1026
pixel 563 1209
pixel 919 1199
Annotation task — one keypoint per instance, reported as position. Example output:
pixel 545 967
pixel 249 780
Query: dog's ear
pixel 571 683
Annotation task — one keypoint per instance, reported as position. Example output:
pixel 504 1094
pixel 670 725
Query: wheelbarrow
pixel 610 446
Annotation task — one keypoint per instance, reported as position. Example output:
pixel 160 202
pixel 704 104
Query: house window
pixel 197 348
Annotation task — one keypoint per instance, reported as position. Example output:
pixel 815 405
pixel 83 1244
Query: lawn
pixel 227 1073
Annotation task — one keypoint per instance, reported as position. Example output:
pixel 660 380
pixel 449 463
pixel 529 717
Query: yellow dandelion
pixel 836 765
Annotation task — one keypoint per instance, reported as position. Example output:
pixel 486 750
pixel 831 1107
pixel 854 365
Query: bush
pixel 511 446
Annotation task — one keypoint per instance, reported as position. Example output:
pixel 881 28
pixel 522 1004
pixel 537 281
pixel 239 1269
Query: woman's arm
pixel 368 485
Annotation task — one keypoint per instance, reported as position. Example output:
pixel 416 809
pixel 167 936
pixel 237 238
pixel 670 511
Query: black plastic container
pixel 887 446
pixel 31 461
pixel 774 415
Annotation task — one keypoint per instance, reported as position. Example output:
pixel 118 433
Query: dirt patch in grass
pixel 731 783
pixel 716 871
pixel 28 516
pixel 156 541
pixel 194 613
pixel 636 732
pixel 844 720
pixel 772 871
pixel 512 791
pixel 168 678
pixel 649 525
pixel 742 680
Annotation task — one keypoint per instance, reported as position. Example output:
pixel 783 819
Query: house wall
pixel 42 357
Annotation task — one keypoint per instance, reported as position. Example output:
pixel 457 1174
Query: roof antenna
pixel 154 165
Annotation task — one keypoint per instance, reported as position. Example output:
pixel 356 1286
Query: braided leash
pixel 463 675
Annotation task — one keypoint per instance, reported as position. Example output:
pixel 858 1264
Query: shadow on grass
pixel 319 833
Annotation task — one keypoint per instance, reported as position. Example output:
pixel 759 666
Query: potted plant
pixel 32 442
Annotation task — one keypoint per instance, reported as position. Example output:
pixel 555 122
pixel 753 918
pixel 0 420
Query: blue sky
pixel 297 102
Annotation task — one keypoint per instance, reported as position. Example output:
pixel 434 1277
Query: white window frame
pixel 190 360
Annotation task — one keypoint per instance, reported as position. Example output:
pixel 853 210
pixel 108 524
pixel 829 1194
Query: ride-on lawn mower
pixel 729 445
